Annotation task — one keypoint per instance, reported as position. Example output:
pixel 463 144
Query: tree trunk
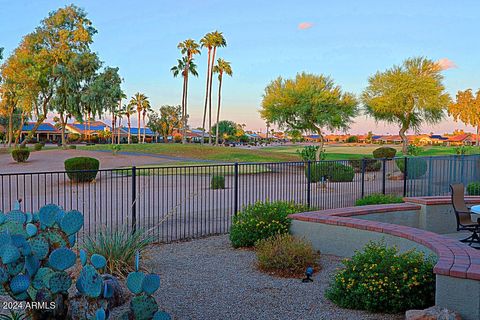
pixel 63 124
pixel 322 142
pixel 118 131
pixel 144 128
pixel 39 121
pixel 478 138
pixel 404 140
pixel 185 118
pixel 182 130
pixel 138 133
pixel 10 129
pixel 210 99
pixel 218 107
pixel 206 95
pixel 22 121
pixel 129 138
pixel 114 121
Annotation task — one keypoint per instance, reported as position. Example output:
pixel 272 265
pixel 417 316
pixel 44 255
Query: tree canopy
pixel 407 95
pixel 308 103
pixel 466 108
pixel 166 121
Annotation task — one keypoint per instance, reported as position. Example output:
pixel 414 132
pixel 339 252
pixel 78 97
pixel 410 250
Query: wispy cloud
pixel 446 64
pixel 305 25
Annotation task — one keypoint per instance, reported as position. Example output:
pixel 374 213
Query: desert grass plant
pixel 285 255
pixel 119 248
pixel 382 279
pixel 14 315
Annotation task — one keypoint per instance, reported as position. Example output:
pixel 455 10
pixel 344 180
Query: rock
pixel 120 295
pixel 433 313
pixel 81 307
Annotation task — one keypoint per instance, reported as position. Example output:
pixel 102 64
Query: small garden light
pixel 308 274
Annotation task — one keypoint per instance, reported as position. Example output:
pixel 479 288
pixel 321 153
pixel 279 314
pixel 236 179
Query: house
pixel 458 140
pixel 87 128
pixel 46 132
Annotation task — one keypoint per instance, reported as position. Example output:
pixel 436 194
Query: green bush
pixel 384 152
pixel 309 153
pixel 370 165
pixel 285 255
pixel 217 182
pixel 413 150
pixel 381 279
pixel 37 146
pixel 352 139
pixel 20 154
pixel 378 198
pixel 73 147
pixel 333 171
pixel 473 189
pixel 262 220
pixel 74 137
pixel 89 167
pixel 119 247
pixel 417 167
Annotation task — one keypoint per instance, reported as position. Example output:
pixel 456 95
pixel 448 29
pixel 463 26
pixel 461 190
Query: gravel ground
pixel 207 279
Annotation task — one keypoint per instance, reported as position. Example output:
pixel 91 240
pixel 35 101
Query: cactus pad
pixel 31 229
pixel 42 278
pixel 151 283
pixel 55 239
pixel 98 261
pixel 16 216
pixel 48 214
pixel 31 265
pixel 3 217
pixel 13 227
pixel 3 275
pixel 62 259
pixel 135 282
pixel 72 222
pixel 143 307
pixel 16 267
pixel 9 254
pixel 72 239
pixel 19 283
pixel 90 282
pixel 83 257
pixel 100 314
pixel 161 315
pixel 59 282
pixel 39 247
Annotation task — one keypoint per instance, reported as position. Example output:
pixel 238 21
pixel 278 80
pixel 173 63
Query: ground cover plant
pixel 378 198
pixel 382 279
pixel 286 255
pixel 416 167
pixel 261 221
pixel 473 189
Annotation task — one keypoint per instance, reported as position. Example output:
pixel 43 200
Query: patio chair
pixel 462 215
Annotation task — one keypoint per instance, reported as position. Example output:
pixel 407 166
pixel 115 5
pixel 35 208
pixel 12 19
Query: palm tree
pixel 140 101
pixel 128 111
pixel 184 67
pixel 215 39
pixel 146 109
pixel 208 41
pixel 221 68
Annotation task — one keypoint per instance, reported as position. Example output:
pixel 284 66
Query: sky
pixel 347 40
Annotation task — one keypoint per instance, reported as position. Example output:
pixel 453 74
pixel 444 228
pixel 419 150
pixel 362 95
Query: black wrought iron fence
pixel 182 202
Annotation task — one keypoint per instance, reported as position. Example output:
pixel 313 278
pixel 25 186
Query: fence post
pixel 235 189
pixel 405 176
pixel 384 175
pixel 134 199
pixel 363 177
pixel 309 187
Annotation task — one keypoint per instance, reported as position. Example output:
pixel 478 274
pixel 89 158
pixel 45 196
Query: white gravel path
pixel 207 279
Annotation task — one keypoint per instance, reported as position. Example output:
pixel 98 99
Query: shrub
pixel 37 146
pixel 285 255
pixel 217 182
pixel 89 167
pixel 473 189
pixel 177 138
pixel 370 165
pixel 384 152
pixel 378 198
pixel 352 139
pixel 116 148
pixel 463 150
pixel 309 153
pixel 74 137
pixel 262 220
pixel 381 279
pixel 73 147
pixel 417 167
pixel 333 171
pixel 413 150
pixel 119 247
pixel 20 154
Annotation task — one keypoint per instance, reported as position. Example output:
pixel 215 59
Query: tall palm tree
pixel 222 67
pixel 128 111
pixel 186 66
pixel 140 101
pixel 216 40
pixel 208 41
pixel 145 111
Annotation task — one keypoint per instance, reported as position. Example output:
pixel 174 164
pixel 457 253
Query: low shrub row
pixel 331 171
pixel 378 198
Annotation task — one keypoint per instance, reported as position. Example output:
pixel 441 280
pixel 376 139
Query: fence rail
pixel 179 202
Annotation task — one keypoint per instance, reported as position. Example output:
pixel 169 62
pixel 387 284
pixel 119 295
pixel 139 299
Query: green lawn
pixel 196 151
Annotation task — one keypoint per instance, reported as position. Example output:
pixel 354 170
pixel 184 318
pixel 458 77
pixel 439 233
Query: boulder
pixel 433 313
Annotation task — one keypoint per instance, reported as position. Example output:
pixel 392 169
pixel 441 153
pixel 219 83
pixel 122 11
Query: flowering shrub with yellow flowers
pixel 261 221
pixel 382 279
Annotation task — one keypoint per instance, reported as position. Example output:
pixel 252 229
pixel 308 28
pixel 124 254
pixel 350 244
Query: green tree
pixel 140 102
pixel 407 95
pixel 147 109
pixel 308 103
pixel 466 108
pixel 128 111
pixel 225 129
pixel 222 67
pixel 166 121
pixel 188 48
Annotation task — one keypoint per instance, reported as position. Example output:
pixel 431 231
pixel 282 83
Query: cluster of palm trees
pixel 186 66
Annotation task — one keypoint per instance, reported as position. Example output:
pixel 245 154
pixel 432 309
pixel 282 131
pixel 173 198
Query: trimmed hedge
pixel 20 154
pixel 333 171
pixel 37 146
pixel 370 165
pixel 384 152
pixel 473 189
pixel 417 167
pixel 89 167
pixel 217 182
pixel 378 198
